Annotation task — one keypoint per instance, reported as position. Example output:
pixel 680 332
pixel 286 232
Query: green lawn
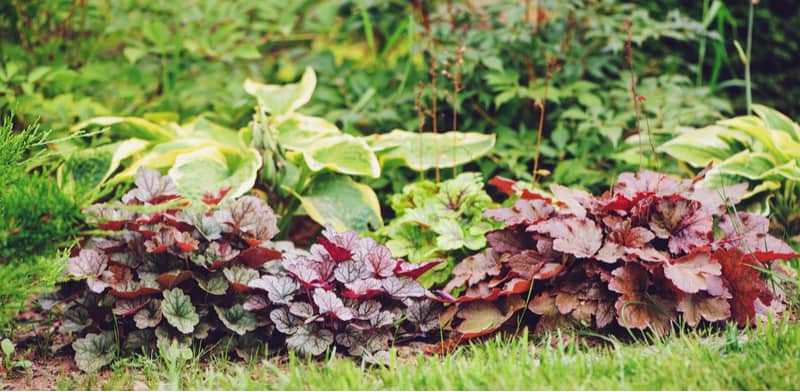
pixel 767 357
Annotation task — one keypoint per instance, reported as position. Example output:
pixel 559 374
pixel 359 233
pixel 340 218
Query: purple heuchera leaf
pixel 376 257
pixel 401 288
pixel 683 222
pixel 363 288
pixel 751 232
pixel 253 217
pixel 631 184
pixel 280 289
pixel 575 236
pixel 695 272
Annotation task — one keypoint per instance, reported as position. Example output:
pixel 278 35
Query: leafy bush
pixel 36 220
pixel 348 292
pixel 636 258
pixel 763 150
pixel 439 221
pixel 169 270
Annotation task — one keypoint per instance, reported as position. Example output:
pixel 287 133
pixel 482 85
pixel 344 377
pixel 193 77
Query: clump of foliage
pixel 36 220
pixel 169 270
pixel 441 221
pixel 349 292
pixel 636 257
pixel 763 150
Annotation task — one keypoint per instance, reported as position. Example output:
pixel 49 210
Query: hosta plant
pixel 169 270
pixel 347 292
pixel 439 221
pixel 652 251
pixel 763 150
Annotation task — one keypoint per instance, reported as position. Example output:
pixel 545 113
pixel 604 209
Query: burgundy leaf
pixel 338 253
pixel 213 198
pixel 414 271
pixel 475 268
pixel 255 257
pixel 683 222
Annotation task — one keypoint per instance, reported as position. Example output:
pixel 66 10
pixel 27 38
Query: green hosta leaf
pixel 211 169
pixel 236 319
pixel 178 309
pixel 345 204
pixel 94 351
pixel 282 99
pixel 161 156
pixel 297 132
pixel 130 127
pixel 310 339
pixel 754 127
pixel 428 150
pixel 344 154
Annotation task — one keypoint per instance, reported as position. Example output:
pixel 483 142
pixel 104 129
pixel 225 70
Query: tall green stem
pixel 748 82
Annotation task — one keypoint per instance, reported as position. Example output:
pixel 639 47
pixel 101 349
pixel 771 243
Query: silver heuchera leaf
pixel 149 316
pixel 149 184
pixel 424 314
pixel 177 307
pixel 236 319
pixel 369 343
pixel 280 289
pixel 382 319
pixel 255 303
pixel 285 322
pixel 376 257
pixel 208 226
pixel 328 302
pixel 92 265
pixel 94 351
pixel 367 310
pixel 402 288
pixel 302 310
pixel 253 216
pixel 310 339
pixel 350 271
pixel 364 286
pixel 75 319
pixel 347 240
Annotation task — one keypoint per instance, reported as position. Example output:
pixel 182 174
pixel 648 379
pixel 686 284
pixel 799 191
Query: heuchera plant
pixel 637 257
pixel 349 292
pixel 439 221
pixel 171 270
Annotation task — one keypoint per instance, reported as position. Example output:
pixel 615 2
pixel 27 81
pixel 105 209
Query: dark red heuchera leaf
pixel 510 187
pixel 414 270
pixel 742 277
pixel 255 257
pixel 338 253
pixel 638 256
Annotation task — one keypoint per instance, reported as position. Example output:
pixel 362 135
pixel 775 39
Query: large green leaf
pixel 210 169
pixel 754 127
pixel 297 132
pixel 427 150
pixel 201 128
pixel 343 154
pixel 282 99
pixel 338 200
pixel 746 164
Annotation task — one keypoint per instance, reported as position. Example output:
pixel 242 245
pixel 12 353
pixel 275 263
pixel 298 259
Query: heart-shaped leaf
pixel 177 307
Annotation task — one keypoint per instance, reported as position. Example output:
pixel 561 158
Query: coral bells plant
pixel 639 257
pixel 349 292
pixel 170 269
